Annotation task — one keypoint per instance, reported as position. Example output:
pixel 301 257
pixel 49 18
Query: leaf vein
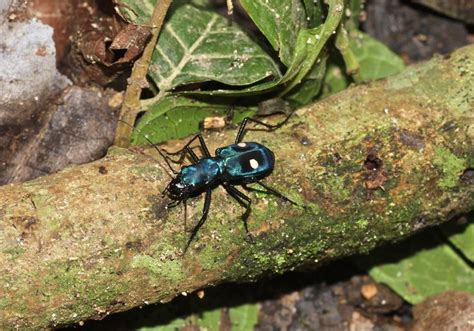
pixel 165 56
pixel 176 36
pixel 166 83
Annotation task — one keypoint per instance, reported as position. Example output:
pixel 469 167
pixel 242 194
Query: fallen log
pixel 371 165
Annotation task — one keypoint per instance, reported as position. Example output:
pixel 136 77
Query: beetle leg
pixel 185 151
pixel 245 202
pixel 268 190
pixel 270 127
pixel 173 204
pixel 185 216
pixel 193 155
pixel 187 148
pixel 205 212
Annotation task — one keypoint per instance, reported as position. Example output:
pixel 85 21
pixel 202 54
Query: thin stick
pixel 137 80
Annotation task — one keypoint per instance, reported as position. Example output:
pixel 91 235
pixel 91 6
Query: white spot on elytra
pixel 254 164
pixel 241 144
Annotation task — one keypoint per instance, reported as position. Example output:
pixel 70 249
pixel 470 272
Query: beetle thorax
pixel 195 177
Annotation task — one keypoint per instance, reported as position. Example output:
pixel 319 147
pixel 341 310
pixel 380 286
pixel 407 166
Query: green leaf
pixel 310 43
pixel 314 12
pixel 238 114
pixel 136 11
pixel 423 267
pixel 350 60
pixel 174 325
pixel 244 317
pixel 280 21
pixel 334 81
pixel 210 320
pixel 462 237
pixel 177 117
pixel 305 92
pixel 353 10
pixel 375 59
pixel 308 46
pixel 140 11
pixel 198 45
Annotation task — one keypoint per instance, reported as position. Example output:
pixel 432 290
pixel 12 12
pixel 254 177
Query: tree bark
pixel 371 165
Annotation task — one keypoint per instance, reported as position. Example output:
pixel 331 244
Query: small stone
pixel 368 291
pixel 200 294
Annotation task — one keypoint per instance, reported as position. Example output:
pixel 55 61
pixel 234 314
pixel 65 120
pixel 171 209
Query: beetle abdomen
pixel 246 161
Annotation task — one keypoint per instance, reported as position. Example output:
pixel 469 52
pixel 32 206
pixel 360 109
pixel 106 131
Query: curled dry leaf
pixel 131 40
pixel 103 46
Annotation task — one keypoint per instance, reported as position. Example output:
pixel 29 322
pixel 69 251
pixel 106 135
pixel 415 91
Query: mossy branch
pixel 373 164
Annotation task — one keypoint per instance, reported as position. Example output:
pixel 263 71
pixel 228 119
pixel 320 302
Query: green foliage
pixel 138 12
pixel 210 320
pixel 335 80
pixel 174 325
pixel 374 58
pixel 198 45
pixel 427 264
pixel 242 318
pixel 353 11
pixel 311 85
pixel 314 12
pixel 309 45
pixel 280 21
pixel 206 55
pixel 363 59
pixel 179 116
pixel 461 237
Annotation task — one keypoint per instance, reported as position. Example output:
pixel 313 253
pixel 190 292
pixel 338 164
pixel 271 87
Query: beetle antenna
pixel 154 146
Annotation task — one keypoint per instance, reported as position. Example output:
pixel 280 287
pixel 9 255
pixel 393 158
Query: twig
pixel 137 81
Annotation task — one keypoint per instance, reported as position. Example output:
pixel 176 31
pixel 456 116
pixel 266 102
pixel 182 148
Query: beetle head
pixel 177 190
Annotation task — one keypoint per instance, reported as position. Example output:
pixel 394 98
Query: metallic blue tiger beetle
pixel 241 163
